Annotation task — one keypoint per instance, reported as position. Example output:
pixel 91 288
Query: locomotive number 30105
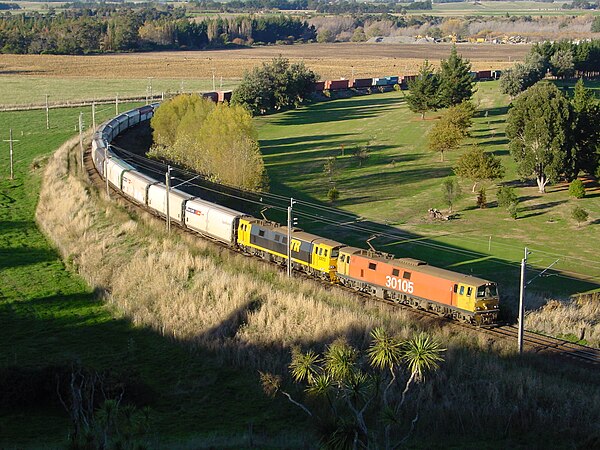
pixel 401 285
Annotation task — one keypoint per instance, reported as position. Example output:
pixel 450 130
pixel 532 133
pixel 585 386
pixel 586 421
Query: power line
pixel 399 234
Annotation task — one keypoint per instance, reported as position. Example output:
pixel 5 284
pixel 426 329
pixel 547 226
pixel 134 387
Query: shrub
pixel 579 214
pixel 333 195
pixel 481 199
pixel 513 209
pixel 577 189
pixel 506 196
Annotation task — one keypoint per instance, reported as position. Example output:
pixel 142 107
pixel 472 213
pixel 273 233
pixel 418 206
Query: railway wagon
pixel 310 253
pixel 210 219
pixel 157 200
pixel 224 96
pixel 214 96
pixel 484 75
pixel 358 83
pixel 136 185
pixel 415 283
pixel 99 148
pixel 115 168
pixel 335 85
pixel 320 86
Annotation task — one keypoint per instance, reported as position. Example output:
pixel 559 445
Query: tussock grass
pixel 577 319
pixel 249 314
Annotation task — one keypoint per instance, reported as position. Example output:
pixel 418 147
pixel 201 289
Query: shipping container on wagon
pixel 213 220
pixel 122 121
pixel 115 169
pixel 146 112
pixel 136 185
pixel 225 96
pixel 157 200
pixel 134 117
pixel 214 96
pixel 336 85
pixel 407 79
pixel 319 86
pixel 392 80
pixel 484 75
pixel 359 83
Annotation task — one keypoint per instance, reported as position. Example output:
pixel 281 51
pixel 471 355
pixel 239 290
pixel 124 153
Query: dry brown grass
pixel 577 319
pixel 328 60
pixel 250 314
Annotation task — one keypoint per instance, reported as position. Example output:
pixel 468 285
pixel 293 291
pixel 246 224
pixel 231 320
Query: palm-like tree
pixel 422 353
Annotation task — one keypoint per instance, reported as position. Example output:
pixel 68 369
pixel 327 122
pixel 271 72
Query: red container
pixel 484 75
pixel 319 86
pixel 361 83
pixel 335 85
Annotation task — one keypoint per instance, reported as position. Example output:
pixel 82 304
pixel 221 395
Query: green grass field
pixel 50 317
pixel 500 8
pixel 401 180
pixel 18 90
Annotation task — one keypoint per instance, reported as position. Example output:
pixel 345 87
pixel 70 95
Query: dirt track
pixel 328 60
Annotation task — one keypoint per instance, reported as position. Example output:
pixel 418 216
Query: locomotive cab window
pixel 372 266
pixel 462 290
pixel 395 272
pixel 469 292
pixel 284 241
pixel 406 275
pixel 261 233
pixel 325 252
pixel 481 291
pixel 320 252
pixel 335 253
pixel 455 288
pixel 277 237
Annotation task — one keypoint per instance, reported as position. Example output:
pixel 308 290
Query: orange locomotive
pixel 415 283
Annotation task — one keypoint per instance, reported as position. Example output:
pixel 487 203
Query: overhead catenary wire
pixel 270 200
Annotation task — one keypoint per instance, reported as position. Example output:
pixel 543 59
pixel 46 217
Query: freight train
pixel 382 83
pixel 401 280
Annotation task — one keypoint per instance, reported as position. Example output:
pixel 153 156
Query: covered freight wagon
pixel 136 185
pixel 157 200
pixel 212 220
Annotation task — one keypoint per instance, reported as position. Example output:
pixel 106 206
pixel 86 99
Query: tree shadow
pixel 339 110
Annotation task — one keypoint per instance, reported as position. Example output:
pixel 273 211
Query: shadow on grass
pixel 339 110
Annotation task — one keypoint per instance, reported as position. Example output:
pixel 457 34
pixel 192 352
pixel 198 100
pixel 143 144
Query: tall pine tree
pixel 456 82
pixel 424 91
pixel 586 134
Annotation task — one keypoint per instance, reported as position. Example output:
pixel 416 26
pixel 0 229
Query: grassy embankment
pixel 51 318
pixel 247 314
pixel 402 179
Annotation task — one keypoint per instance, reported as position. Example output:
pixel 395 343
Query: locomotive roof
pixel 297 233
pixel 419 266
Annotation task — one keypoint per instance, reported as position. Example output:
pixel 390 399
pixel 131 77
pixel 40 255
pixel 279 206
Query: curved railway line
pixel 533 342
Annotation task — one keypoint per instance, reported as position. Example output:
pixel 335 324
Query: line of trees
pixel 321 6
pixel 110 29
pixel 562 59
pixel 218 141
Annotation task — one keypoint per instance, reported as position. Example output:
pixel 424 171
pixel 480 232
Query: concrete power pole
pixel 81 138
pixel 522 301
pixel 168 210
pixel 289 238
pixel 47 114
pixel 94 116
pixel 10 141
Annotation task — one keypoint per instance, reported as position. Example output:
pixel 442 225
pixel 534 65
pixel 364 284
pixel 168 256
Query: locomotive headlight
pixel 332 267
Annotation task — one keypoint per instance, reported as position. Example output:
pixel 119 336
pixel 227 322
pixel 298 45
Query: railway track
pixel 533 342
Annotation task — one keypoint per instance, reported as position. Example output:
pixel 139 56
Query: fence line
pixel 80 103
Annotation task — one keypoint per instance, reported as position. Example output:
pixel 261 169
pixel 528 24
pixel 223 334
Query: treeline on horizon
pixel 121 28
